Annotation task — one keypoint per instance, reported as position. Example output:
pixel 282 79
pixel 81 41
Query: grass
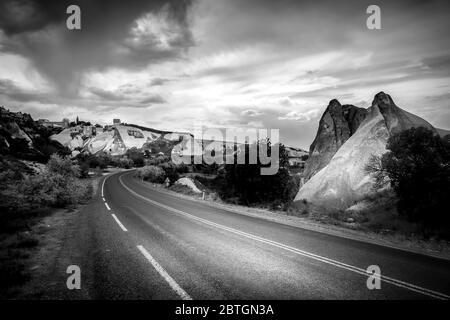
pixel 15 250
pixel 377 214
pixel 20 234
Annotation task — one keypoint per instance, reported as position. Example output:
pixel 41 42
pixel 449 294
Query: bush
pixel 125 163
pixel 151 173
pixel 57 186
pixel 418 169
pixel 245 182
pixel 136 156
pixel 156 161
pixel 62 166
pixel 170 171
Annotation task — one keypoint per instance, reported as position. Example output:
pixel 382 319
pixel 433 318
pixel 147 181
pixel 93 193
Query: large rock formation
pixel 23 138
pixel 337 125
pixel 344 180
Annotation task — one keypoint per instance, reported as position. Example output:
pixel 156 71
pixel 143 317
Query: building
pixel 116 121
pixel 88 131
pixel 47 123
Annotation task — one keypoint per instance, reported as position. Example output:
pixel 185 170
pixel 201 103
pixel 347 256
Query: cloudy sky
pixel 223 63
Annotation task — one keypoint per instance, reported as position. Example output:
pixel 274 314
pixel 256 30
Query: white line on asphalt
pixel 398 283
pixel 103 186
pixel 107 207
pixel 104 199
pixel 173 284
pixel 119 223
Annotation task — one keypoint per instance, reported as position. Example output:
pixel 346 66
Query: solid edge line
pixel 119 223
pixel 322 230
pixel 173 284
pixel 399 283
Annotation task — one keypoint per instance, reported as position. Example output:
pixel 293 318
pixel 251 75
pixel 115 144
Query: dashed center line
pixel 107 207
pixel 119 223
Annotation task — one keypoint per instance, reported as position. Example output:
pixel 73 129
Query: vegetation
pixel 25 197
pixel 152 174
pixel 101 160
pixel 244 184
pixel 417 167
pixel 136 156
pixel 24 193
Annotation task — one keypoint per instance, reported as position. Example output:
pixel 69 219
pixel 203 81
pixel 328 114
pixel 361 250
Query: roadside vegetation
pixel 230 183
pixel 27 196
pixel 243 184
pixel 417 168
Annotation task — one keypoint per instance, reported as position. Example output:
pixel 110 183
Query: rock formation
pixel 343 181
pixel 337 125
pixel 23 138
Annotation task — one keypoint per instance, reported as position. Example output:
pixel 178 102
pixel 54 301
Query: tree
pixel 245 182
pixel 137 156
pixel 417 167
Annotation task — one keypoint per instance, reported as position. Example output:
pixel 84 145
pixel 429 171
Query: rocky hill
pixel 114 140
pixel 23 138
pixel 343 181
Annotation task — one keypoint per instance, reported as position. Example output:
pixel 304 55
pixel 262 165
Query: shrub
pixel 63 166
pixel 418 168
pixel 57 186
pixel 125 163
pixel 245 182
pixel 136 156
pixel 151 173
pixel 170 171
pixel 156 161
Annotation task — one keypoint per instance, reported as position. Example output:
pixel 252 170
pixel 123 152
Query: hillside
pixel 114 140
pixel 23 138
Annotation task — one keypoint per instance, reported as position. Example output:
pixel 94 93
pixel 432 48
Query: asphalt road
pixel 135 242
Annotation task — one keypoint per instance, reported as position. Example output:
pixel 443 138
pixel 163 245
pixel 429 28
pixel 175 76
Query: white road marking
pixel 103 187
pixel 107 207
pixel 119 223
pixel 173 284
pixel 104 199
pixel 395 282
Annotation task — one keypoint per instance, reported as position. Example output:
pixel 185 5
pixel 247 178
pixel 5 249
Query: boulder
pixel 188 183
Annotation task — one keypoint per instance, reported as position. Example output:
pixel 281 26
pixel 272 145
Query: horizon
pixel 168 64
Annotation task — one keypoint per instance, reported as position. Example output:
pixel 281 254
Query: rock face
pixel 23 138
pixel 344 181
pixel 337 125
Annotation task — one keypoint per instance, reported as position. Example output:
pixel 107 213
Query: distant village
pixel 297 156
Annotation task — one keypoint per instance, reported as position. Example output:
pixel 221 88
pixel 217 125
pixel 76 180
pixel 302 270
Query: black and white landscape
pixel 224 150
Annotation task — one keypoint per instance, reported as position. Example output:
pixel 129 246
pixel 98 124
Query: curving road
pixel 135 242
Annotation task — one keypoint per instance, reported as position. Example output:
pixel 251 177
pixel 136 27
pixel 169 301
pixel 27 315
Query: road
pixel 135 242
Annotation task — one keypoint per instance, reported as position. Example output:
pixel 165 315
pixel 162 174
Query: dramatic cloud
pixel 298 116
pixel 233 63
pixel 128 34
